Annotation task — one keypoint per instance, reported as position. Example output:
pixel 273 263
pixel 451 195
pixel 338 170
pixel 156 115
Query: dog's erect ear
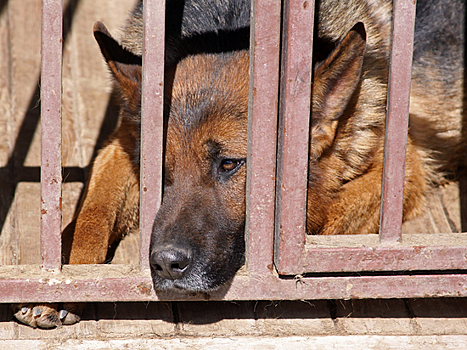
pixel 124 65
pixel 334 82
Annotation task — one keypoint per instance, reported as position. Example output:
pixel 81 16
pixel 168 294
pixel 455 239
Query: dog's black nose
pixel 170 262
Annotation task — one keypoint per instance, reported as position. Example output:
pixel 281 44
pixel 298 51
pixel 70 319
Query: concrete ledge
pixel 233 343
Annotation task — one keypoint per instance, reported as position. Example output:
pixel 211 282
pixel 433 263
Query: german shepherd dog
pixel 198 235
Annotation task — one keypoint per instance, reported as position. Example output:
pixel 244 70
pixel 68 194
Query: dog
pixel 197 241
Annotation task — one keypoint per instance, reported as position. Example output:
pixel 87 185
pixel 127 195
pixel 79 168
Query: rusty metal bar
pixel 262 125
pixel 152 123
pixel 415 258
pixel 51 134
pixel 294 119
pixel 397 121
pixel 78 284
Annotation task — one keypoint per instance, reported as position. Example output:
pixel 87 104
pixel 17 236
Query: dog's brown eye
pixel 225 168
pixel 228 165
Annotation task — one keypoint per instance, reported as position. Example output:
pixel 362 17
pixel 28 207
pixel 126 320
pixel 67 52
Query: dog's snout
pixel 170 262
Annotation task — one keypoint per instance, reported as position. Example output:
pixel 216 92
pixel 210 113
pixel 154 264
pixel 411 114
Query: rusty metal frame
pixel 437 269
pixel 294 255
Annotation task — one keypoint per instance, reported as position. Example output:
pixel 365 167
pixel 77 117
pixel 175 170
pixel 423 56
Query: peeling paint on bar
pixel 152 108
pixel 293 131
pixel 138 287
pixel 397 121
pixel 51 134
pixel 262 126
pixel 385 259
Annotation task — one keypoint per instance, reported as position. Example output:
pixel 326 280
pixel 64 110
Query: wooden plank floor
pixel 88 117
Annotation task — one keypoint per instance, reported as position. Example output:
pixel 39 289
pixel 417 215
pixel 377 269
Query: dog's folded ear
pixel 124 65
pixel 334 82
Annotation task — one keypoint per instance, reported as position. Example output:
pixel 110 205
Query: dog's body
pixel 198 242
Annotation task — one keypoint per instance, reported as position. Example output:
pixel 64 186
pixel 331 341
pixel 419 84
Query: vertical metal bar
pixel 51 141
pixel 152 124
pixel 262 126
pixel 294 118
pixel 397 121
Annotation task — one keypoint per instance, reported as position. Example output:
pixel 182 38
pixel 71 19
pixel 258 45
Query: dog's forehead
pixel 209 104
pixel 216 135
pixel 210 83
pixel 225 67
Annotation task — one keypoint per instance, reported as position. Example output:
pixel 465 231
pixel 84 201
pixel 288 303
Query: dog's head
pixel 197 242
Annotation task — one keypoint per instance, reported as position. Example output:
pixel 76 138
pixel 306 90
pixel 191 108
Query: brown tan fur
pixel 230 131
pixel 108 213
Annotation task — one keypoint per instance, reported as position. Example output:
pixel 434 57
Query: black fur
pixel 195 26
pixel 440 35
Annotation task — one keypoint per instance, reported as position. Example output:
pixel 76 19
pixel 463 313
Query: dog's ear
pixel 334 82
pixel 124 65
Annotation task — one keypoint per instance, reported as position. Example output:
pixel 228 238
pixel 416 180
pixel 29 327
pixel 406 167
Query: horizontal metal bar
pixel 76 284
pixel 383 259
